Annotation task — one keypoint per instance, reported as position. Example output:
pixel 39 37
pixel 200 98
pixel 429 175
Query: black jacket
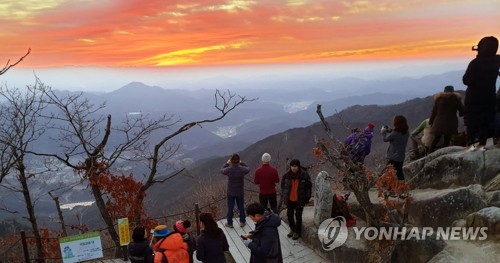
pixel 305 186
pixel 266 246
pixel 140 252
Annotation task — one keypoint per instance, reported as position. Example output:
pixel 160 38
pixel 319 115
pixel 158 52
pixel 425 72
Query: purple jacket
pixel 351 140
pixel 235 178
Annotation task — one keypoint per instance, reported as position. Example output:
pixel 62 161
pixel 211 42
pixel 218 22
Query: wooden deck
pixel 294 251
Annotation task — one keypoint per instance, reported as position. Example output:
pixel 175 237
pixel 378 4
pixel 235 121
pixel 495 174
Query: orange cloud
pixel 189 32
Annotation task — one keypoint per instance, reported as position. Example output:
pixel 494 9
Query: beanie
pixel 181 226
pixel 161 231
pixel 295 162
pixel 370 127
pixel 266 158
pixel 449 88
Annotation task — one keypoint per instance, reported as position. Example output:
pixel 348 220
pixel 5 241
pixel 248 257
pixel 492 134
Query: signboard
pixel 81 247
pixel 123 231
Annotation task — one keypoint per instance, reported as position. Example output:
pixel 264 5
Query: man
pixel 296 191
pixel 235 171
pixel 267 177
pixel 264 242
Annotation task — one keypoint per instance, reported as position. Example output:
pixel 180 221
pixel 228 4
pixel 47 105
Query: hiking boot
pixel 228 225
pixel 481 148
pixel 290 234
pixel 243 224
pixel 470 148
pixel 295 236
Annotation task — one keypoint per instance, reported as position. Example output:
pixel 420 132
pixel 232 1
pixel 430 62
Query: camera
pixel 387 128
pixel 474 48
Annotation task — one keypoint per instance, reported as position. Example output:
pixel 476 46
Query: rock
pixel 460 251
pixel 486 217
pixel 442 207
pixel 323 198
pixel 494 184
pixel 451 166
pixel 414 250
pixel 493 198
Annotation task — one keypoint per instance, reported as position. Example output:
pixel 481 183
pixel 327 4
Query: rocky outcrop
pixel 452 167
pixel 414 250
pixel 442 207
pixel 487 217
pixel 323 198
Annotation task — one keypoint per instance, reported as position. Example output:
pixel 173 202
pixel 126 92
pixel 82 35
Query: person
pixel 263 242
pixel 497 127
pixel 211 242
pixel 169 246
pixel 397 138
pixel 267 177
pixel 360 143
pixel 181 227
pixel 425 140
pixel 480 79
pixel 296 191
pixel 139 250
pixel 443 120
pixel 235 171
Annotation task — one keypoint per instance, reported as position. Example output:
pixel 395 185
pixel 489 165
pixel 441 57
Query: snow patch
pixel 70 206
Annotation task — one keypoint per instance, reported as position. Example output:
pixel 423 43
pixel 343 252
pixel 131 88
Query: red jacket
pixel 266 177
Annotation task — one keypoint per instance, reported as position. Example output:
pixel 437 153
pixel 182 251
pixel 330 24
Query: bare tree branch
pixel 8 65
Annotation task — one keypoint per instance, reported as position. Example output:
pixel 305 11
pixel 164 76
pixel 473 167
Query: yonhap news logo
pixel 333 232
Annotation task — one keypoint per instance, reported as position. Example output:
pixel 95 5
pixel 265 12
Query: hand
pixel 228 161
pixel 247 236
pixel 247 242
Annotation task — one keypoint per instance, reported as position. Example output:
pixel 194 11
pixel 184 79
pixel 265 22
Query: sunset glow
pixel 220 32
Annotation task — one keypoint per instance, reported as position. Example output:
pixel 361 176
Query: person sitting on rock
pixel 425 140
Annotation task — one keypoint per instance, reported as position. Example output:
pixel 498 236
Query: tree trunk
pixel 31 210
pixel 60 214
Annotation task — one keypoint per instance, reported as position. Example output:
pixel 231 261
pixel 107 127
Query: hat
pixel 295 162
pixel 449 88
pixel 266 158
pixel 370 127
pixel 161 231
pixel 179 226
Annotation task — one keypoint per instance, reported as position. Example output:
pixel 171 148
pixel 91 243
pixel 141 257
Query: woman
pixel 139 250
pixel 443 120
pixel 212 242
pixel 397 138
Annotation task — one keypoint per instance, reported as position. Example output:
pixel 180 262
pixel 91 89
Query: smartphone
pixel 244 238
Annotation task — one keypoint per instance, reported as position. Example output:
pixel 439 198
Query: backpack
pixel 357 148
pixel 341 208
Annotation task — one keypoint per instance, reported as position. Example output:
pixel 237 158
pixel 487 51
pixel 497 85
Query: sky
pixel 191 33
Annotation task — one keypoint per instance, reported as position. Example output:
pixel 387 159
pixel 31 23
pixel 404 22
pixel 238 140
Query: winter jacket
pixel 266 246
pixel 266 177
pixel 444 119
pixel 359 145
pixel 211 249
pixel 397 147
pixel 305 186
pixel 235 178
pixel 171 249
pixel 480 78
pixel 140 252
pixel 428 137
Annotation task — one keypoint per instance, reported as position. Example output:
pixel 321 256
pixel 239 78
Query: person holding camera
pixel 235 171
pixel 397 138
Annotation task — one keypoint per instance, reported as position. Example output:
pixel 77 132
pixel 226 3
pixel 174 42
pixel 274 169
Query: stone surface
pixel 414 251
pixel 460 251
pixel 452 167
pixel 486 217
pixel 323 198
pixel 442 207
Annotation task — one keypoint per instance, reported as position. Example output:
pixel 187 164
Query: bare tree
pixel 8 65
pixel 84 139
pixel 18 131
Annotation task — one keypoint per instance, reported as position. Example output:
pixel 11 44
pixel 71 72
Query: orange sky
pixel 216 32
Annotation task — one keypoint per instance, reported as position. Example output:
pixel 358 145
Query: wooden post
pixel 25 247
pixel 197 216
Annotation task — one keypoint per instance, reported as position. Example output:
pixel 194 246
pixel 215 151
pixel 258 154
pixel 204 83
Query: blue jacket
pixel 266 246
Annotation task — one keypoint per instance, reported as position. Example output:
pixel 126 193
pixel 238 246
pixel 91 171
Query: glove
pixel 247 241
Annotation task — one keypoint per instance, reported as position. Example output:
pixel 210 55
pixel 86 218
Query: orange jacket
pixel 173 248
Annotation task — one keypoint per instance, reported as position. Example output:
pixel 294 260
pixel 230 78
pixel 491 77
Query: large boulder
pixel 487 217
pixel 442 207
pixel 417 251
pixel 451 166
